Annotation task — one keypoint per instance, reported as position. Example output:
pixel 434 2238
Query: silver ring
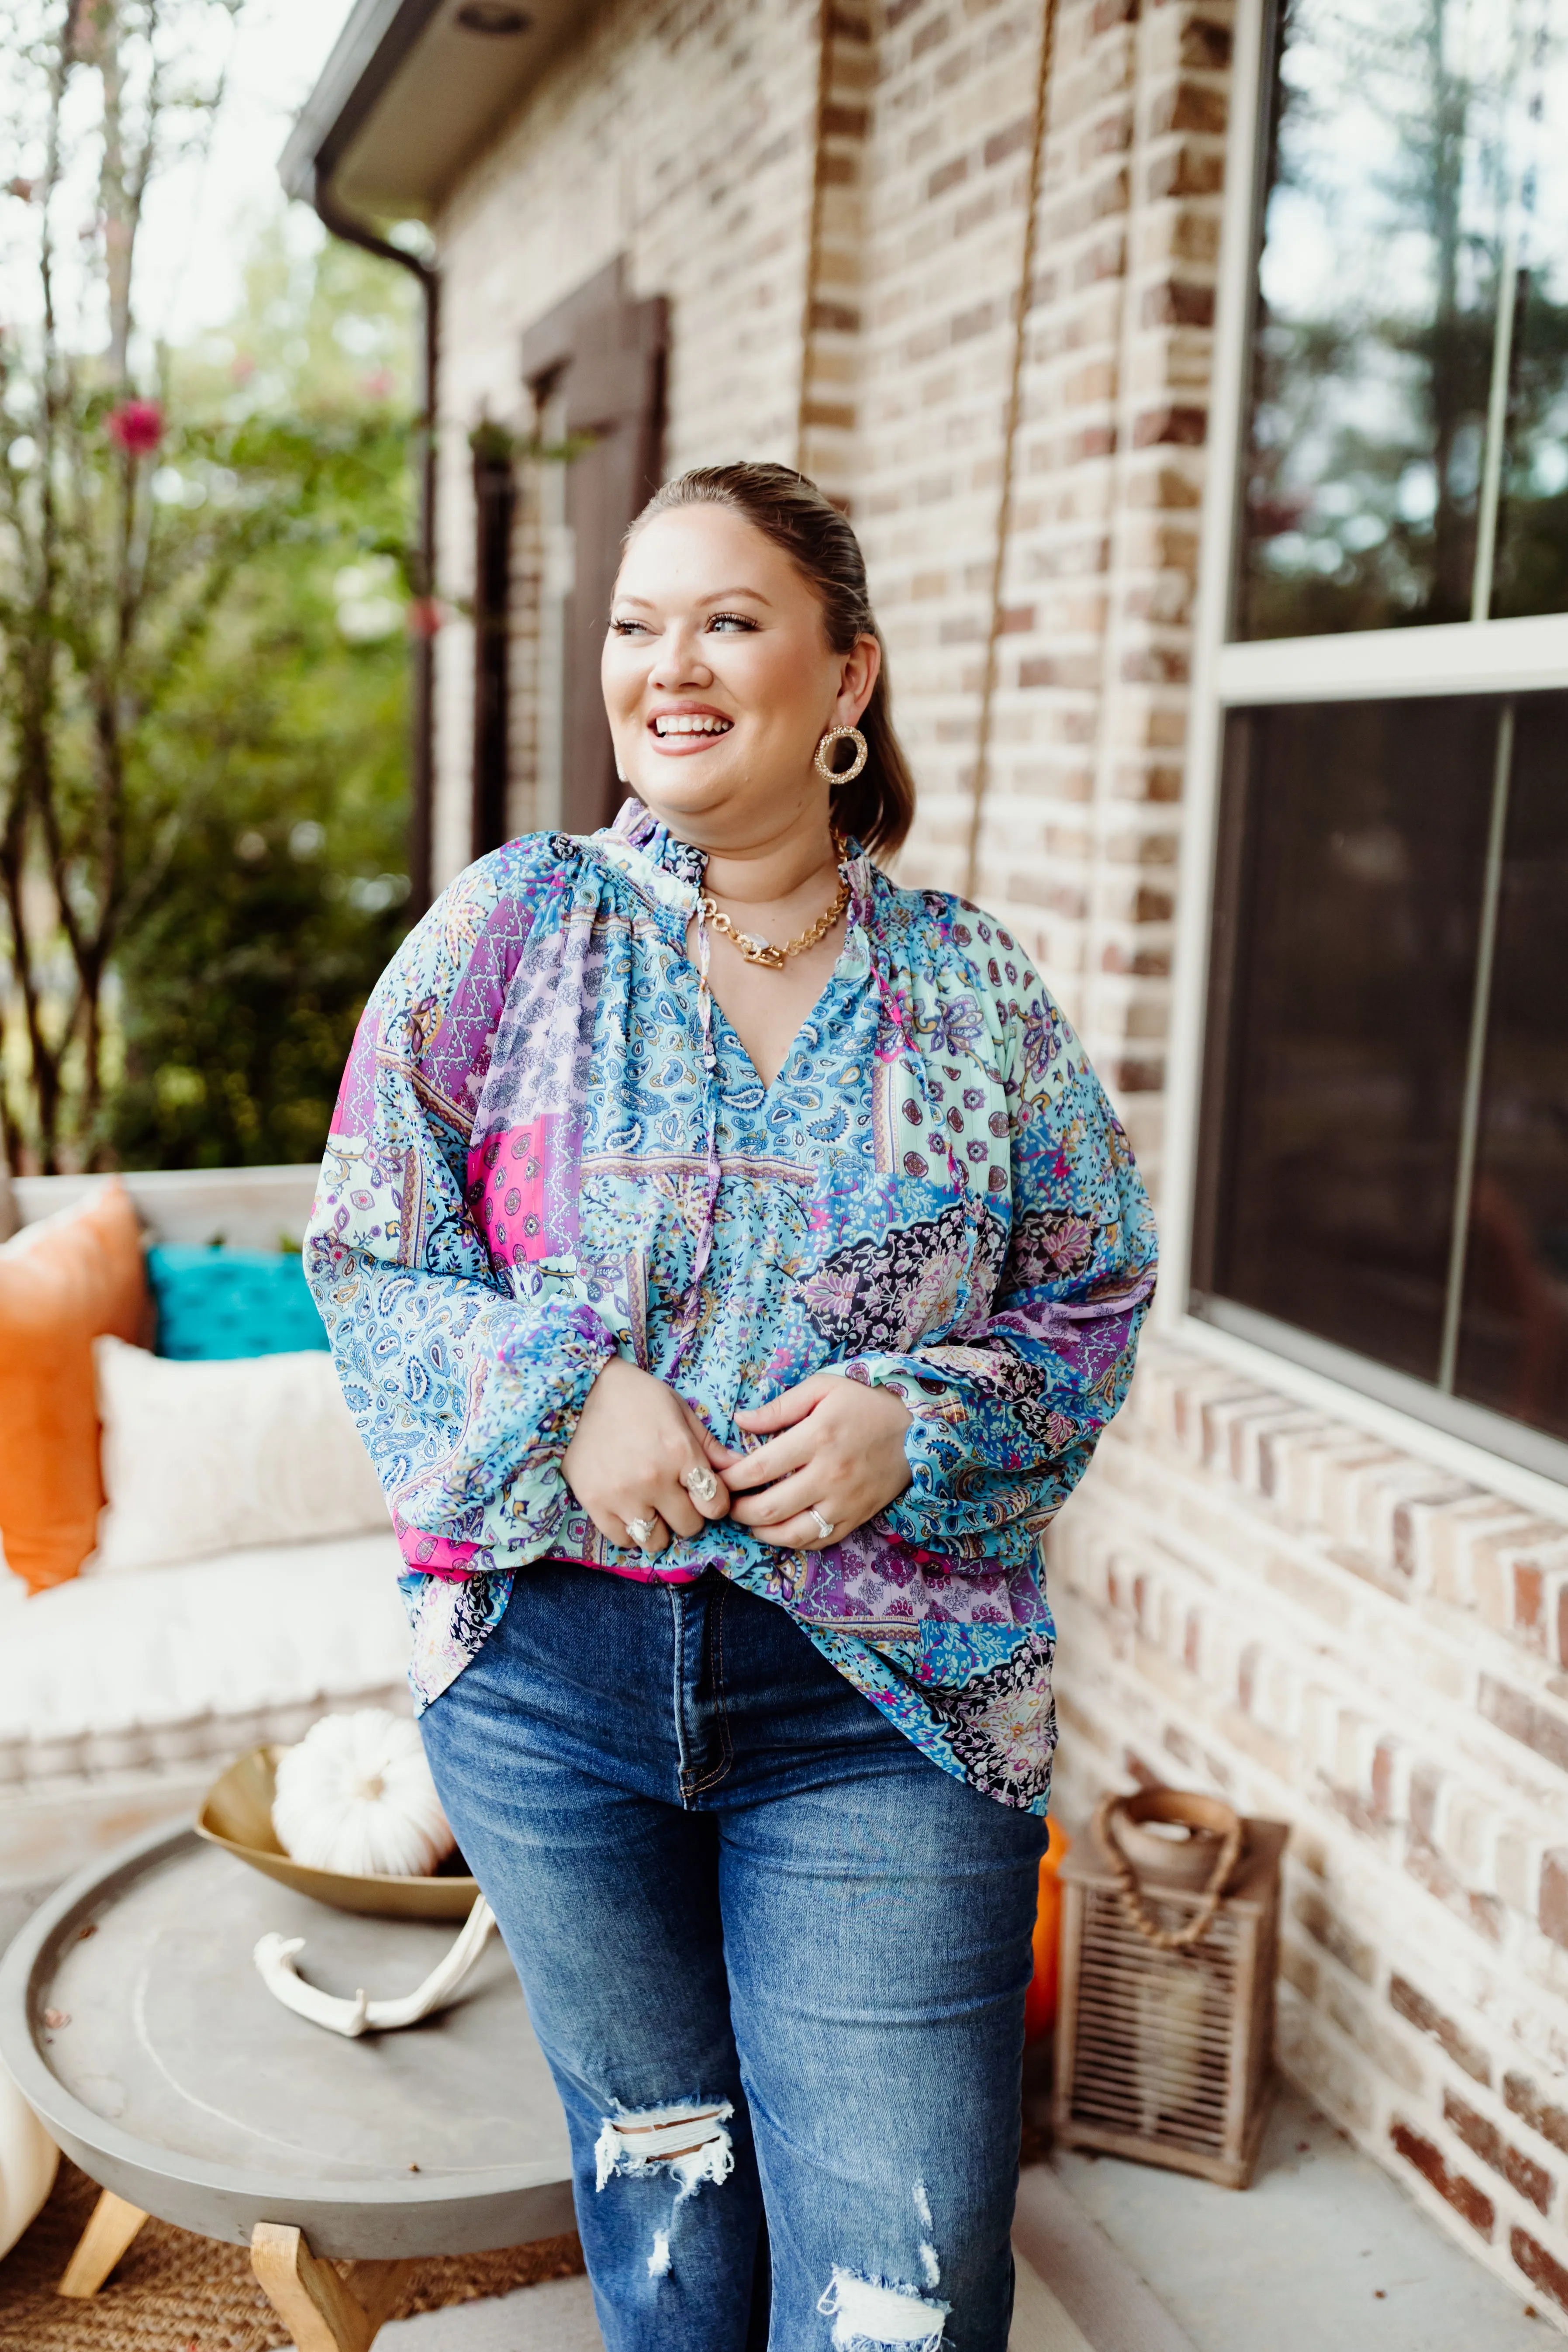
pixel 700 1483
pixel 824 1525
pixel 641 1532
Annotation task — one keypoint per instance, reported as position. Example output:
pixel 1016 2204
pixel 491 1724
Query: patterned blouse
pixel 551 1147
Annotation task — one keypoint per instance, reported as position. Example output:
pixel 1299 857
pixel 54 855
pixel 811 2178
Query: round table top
pixel 134 2020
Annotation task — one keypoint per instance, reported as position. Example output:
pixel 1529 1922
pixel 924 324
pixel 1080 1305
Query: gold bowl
pixel 236 1814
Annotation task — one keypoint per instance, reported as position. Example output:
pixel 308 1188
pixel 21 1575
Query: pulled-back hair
pixel 879 807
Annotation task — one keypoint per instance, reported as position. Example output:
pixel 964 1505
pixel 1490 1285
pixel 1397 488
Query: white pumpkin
pixel 356 1796
pixel 29 2159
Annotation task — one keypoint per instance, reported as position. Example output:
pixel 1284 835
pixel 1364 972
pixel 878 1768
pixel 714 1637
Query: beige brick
pixel 1518 1861
pixel 1338 2078
pixel 1310 1589
pixel 1391 2057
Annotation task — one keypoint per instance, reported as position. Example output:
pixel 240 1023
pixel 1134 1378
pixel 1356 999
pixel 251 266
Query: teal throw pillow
pixel 216 1303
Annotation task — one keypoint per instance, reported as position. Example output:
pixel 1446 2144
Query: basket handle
pixel 1167 1939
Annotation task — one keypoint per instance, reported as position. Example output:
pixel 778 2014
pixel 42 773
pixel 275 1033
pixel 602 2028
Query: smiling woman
pixel 800 580
pixel 703 1209
pixel 721 682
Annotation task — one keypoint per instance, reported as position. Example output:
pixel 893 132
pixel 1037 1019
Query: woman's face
pixel 720 682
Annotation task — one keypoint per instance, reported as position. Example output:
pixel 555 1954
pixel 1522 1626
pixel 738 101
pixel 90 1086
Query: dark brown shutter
pixel 495 504
pixel 601 357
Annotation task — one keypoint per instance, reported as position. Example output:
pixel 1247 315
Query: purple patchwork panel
pixel 871 1579
pixel 457 1052
pixel 355 1113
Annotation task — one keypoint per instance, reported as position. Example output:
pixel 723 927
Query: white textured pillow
pixel 200 1458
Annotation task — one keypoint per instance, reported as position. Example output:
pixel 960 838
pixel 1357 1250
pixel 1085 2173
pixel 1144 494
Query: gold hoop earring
pixel 823 760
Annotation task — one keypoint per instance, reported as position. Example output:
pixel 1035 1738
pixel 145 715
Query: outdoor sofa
pixel 125 1688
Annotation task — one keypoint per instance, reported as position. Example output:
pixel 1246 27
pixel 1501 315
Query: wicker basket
pixel 1166 2018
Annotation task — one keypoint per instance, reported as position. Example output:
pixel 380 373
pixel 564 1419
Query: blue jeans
pixel 775 1958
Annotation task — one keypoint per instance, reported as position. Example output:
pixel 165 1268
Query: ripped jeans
pixel 775 1958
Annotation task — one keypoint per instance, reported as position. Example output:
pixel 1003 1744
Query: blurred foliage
pixel 204 570
pixel 272 802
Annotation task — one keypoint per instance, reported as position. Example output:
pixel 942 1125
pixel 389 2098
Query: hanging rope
pixel 1230 1840
pixel 1010 442
pixel 814 232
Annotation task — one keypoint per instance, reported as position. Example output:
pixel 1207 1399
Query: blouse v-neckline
pixel 683 867
pixel 812 1019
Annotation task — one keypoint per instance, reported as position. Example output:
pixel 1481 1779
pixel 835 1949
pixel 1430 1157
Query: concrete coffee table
pixel 134 2020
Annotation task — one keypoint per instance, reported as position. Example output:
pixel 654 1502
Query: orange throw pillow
pixel 62 1282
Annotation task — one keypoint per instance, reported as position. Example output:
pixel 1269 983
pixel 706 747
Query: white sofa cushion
pixel 204 1659
pixel 201 1458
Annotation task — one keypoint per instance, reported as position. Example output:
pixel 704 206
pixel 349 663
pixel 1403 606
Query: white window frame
pixel 1464 658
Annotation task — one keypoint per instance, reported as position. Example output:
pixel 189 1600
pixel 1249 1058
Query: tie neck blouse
pixel 551 1147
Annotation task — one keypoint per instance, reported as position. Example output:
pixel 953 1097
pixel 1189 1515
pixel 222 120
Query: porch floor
pixel 1297 2262
pixel 1293 2264
pixel 1290 2266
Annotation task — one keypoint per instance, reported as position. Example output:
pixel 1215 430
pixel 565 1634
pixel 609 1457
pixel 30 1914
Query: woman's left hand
pixel 840 1451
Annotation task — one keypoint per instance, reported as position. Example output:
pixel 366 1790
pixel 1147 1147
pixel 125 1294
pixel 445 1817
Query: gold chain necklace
pixel 762 952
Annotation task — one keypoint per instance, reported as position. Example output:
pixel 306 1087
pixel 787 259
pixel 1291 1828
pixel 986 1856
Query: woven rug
pixel 175 2293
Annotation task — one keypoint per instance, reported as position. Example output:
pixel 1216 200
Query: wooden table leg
pixel 322 2311
pixel 111 2227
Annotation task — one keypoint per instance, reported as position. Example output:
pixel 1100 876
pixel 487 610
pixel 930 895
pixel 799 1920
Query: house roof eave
pixel 409 94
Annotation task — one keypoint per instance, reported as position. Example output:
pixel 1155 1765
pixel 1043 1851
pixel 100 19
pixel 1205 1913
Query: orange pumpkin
pixel 1040 2001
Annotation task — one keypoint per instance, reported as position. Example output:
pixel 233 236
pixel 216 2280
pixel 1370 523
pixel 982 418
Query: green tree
pixel 201 567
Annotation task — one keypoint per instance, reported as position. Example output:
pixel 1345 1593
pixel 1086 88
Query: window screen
pixel 1387 1104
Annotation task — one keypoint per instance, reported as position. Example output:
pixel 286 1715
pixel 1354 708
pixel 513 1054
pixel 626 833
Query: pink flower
pixel 137 425
pixel 424 616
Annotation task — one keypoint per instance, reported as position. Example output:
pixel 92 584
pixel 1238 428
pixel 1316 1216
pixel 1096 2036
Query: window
pixel 1383 1171
pixel 1407 451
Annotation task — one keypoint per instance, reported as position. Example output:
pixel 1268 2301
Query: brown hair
pixel 879 807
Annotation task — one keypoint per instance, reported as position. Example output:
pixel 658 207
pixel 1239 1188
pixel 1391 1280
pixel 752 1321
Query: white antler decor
pixel 276 1955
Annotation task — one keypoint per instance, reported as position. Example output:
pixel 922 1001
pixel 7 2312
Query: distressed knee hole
pixel 689 2140
pixel 867 2314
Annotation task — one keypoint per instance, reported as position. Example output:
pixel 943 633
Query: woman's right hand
pixel 634 1438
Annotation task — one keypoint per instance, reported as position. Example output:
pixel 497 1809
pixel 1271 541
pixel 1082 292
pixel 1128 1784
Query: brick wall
pixel 681 136
pixel 1079 836
pixel 1258 1599
pixel 1251 1598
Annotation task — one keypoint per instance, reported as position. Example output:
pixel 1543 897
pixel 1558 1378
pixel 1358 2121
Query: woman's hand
pixel 841 1453
pixel 635 1439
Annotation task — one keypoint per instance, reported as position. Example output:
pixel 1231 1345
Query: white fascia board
pixel 1460 657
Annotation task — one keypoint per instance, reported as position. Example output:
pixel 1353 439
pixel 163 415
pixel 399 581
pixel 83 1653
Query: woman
pixel 792 1285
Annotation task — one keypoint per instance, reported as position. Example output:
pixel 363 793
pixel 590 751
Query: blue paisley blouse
pixel 551 1147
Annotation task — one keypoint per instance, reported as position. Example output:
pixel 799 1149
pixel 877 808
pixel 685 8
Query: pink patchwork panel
pixel 508 1174
pixel 435 1555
